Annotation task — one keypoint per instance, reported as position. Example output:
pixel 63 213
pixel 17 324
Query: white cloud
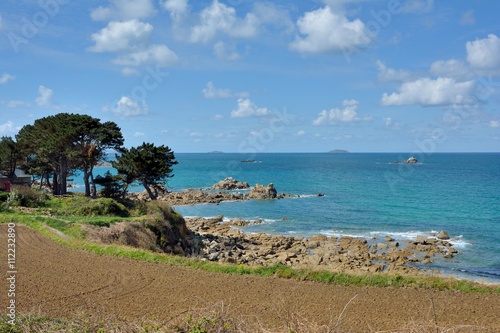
pixel 388 121
pixel 267 13
pixel 221 52
pixel 127 106
pixel 429 92
pixel 468 18
pixel 386 74
pixel 177 8
pixel 417 6
pixel 7 127
pixel 138 134
pixel 348 114
pixel 484 54
pixel 44 98
pixel 248 109
pixel 6 78
pixel 494 124
pixel 123 10
pixel 218 117
pixel 154 54
pixel 195 134
pixel 326 31
pixel 452 68
pixel 16 103
pixel 219 18
pixel 211 92
pixel 119 36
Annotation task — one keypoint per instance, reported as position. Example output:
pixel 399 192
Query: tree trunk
pixel 148 189
pixel 55 183
pixel 86 176
pixel 94 187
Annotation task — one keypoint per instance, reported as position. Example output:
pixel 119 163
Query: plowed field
pixel 61 282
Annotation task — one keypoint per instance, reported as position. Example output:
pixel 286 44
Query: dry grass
pixel 218 318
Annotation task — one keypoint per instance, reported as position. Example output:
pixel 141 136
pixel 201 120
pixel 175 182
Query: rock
pixel 393 244
pixel 230 184
pixel 382 246
pixel 389 239
pixel 262 192
pixel 421 240
pixel 411 160
pixel 443 235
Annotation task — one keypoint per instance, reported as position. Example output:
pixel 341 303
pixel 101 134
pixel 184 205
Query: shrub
pixel 101 207
pixel 25 196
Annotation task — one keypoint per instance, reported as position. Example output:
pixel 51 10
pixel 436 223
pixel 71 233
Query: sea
pixel 366 195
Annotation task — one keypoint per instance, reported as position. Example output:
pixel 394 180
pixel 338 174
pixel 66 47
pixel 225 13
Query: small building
pixel 21 178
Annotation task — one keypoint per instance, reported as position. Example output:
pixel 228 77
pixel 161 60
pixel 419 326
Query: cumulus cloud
pixel 325 31
pixel 347 114
pixel 44 98
pixel 210 91
pixel 386 74
pixel 177 8
pixel 154 54
pixel 119 36
pixel 248 109
pixel 127 106
pixel 220 18
pixel 6 78
pixel 123 10
pixel 432 92
pixel 452 68
pixel 484 54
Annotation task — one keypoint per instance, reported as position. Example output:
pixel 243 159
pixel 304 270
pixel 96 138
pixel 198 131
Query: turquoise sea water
pixel 365 195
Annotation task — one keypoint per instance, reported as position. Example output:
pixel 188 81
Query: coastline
pixel 224 240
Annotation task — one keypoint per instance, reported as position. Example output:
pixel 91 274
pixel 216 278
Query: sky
pixel 260 76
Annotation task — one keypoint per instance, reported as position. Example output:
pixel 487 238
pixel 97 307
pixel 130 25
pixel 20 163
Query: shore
pixel 215 239
pixel 81 283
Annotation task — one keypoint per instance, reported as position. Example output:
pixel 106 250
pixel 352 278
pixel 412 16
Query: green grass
pixel 71 226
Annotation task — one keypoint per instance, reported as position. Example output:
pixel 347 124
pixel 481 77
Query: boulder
pixel 411 160
pixel 230 184
pixel 443 235
pixel 262 192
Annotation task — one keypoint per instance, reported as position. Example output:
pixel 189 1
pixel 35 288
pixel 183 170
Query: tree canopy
pixel 64 143
pixel 148 165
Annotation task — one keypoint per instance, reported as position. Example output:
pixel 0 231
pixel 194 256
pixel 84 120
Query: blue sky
pixel 260 76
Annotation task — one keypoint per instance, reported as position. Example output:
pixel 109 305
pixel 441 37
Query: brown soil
pixel 61 282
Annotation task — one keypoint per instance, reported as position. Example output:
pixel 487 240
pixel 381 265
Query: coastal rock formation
pixel 263 192
pixel 230 184
pixel 411 160
pixel 218 240
pixel 443 235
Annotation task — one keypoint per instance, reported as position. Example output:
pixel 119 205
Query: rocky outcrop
pixel 230 184
pixel 411 160
pixel 222 241
pixel 263 192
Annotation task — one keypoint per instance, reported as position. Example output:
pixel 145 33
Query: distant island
pixel 338 151
pixel 215 152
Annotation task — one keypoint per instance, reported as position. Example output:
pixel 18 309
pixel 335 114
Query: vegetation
pixel 62 143
pixel 55 147
pixel 148 165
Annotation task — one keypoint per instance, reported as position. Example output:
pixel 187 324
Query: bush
pixel 4 196
pixel 101 207
pixel 25 196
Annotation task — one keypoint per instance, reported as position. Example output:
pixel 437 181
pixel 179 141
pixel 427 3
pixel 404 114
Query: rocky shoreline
pixel 214 239
pixel 228 189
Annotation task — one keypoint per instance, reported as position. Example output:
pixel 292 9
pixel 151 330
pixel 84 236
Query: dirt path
pixel 58 281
